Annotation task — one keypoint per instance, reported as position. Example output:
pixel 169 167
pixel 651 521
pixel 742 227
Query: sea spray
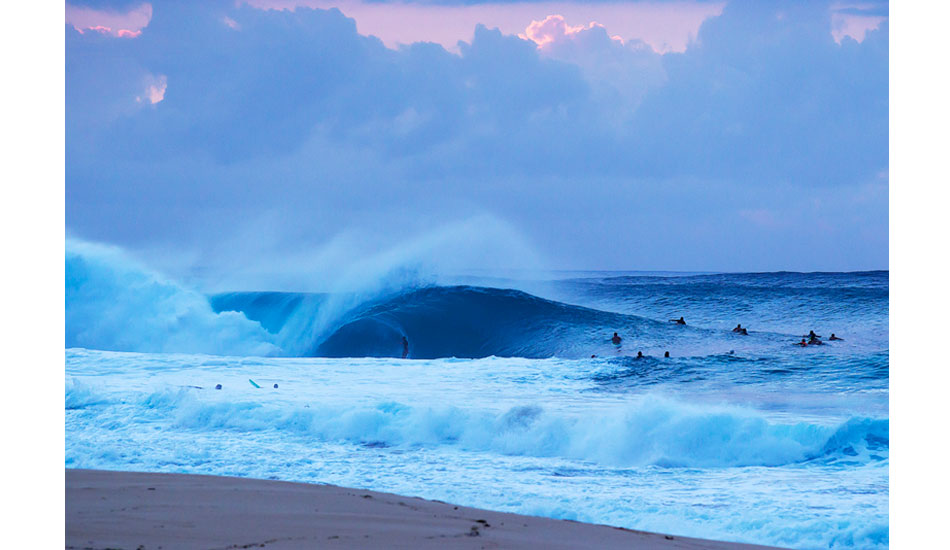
pixel 415 263
pixel 115 303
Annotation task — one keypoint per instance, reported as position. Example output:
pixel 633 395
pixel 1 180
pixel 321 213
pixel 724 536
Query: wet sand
pixel 148 511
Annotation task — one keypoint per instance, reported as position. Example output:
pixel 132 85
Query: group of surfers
pixel 815 340
pixel 811 340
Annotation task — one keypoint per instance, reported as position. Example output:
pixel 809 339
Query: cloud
pixel 553 29
pixel 587 139
pixel 122 21
pixel 666 26
pixel 231 23
pixel 154 90
pixel 855 21
pixel 618 72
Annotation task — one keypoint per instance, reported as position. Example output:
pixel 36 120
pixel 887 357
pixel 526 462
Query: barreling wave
pixel 442 321
pixel 115 303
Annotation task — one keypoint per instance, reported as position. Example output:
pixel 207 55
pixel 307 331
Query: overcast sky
pixel 733 136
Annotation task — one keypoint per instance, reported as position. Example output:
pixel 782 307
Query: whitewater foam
pixel 520 435
pixel 114 303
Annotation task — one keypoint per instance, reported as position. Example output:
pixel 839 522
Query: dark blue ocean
pixel 512 397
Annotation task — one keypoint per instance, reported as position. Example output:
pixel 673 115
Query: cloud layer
pixel 758 147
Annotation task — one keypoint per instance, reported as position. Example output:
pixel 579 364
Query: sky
pixel 258 142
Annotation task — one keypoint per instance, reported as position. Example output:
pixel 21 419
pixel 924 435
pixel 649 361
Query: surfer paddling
pixel 679 321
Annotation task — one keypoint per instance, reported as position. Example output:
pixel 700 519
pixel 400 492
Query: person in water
pixel 667 354
pixel 744 332
pixel 738 328
pixel 803 343
pixel 679 321
pixel 833 337
pixel 639 355
pixel 616 339
pixel 405 347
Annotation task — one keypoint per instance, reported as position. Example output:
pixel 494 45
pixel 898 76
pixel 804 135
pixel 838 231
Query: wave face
pixel 473 322
pixel 578 316
pixel 453 321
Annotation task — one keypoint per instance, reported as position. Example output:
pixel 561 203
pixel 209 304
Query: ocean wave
pixel 474 322
pixel 114 303
pixel 652 430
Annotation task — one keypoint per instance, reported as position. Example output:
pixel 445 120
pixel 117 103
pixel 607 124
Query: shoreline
pixel 147 511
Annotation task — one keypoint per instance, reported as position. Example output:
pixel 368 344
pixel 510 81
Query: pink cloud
pixel 554 29
pixel 99 29
pixel 665 26
pixel 119 24
pixel 154 90
pixel 854 24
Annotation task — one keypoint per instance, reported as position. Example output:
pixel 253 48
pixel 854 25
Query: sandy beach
pixel 148 511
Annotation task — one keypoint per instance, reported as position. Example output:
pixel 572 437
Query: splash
pixel 115 303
